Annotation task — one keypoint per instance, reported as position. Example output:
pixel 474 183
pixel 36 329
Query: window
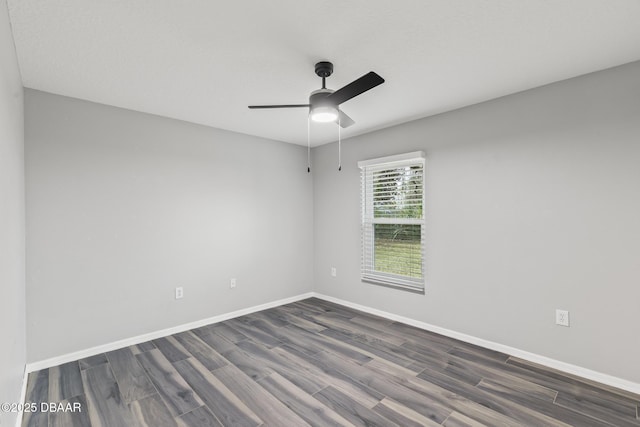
pixel 393 220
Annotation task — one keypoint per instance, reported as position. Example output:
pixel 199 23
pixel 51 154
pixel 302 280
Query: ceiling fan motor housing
pixel 318 99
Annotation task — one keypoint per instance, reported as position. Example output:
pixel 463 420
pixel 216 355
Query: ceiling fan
pixel 324 104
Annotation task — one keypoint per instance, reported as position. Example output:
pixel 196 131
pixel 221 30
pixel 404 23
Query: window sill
pixel 394 285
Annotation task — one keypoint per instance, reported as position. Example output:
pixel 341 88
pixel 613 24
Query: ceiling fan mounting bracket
pixel 324 69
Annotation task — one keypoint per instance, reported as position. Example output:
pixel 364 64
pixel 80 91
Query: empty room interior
pixel 292 213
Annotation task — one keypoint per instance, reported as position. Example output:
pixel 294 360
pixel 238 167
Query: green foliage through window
pixel 397 249
pixel 397 193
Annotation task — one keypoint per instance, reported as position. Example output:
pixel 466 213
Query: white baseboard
pixel 76 355
pixel 23 395
pixel 568 368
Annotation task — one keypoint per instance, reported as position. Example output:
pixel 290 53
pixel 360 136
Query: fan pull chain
pixel 339 144
pixel 309 144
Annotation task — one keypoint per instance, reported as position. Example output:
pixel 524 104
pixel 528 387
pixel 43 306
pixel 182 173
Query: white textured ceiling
pixel 204 61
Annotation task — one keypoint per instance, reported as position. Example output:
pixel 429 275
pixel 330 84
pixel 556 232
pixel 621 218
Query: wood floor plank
pixel 91 361
pixel 351 410
pixel 389 369
pixel 456 419
pixel 178 396
pixel 335 377
pixel 426 353
pixel 353 313
pixel 286 334
pixel 327 343
pixel 476 354
pixel 309 306
pixel 430 403
pixel 304 314
pixel 201 351
pixel 248 363
pixel 311 343
pixel 463 362
pixel 253 333
pixel 364 395
pixel 618 419
pixel 199 417
pixel 570 391
pixel 105 405
pixel 440 395
pixel 436 411
pixel 485 352
pixel 301 375
pixel 270 316
pixel 579 389
pixel 593 402
pixel 401 415
pixel 225 405
pixel 298 320
pixel 531 412
pixel 516 393
pixel 227 332
pixel 151 412
pixel 302 403
pixel 467 407
pixel 413 334
pixel 172 349
pixel 566 388
pixel 331 314
pixel 375 350
pixel 72 418
pixel 363 332
pixel 271 410
pixel 516 386
pixel 437 394
pixel 131 377
pixel 37 392
pixel 142 347
pixel 585 384
pixel 65 382
pixel 336 309
pixel 475 373
pixel 371 321
pixel 214 340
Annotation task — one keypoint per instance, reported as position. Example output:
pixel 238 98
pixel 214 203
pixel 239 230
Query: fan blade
pixel 355 88
pixel 279 106
pixel 345 121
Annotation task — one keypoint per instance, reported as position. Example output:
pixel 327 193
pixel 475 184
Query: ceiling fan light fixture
pixel 324 114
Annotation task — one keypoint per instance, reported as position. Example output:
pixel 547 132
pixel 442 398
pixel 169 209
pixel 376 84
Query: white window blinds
pixel 393 220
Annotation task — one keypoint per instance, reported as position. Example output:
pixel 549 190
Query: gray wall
pixel 122 207
pixel 12 249
pixel 532 204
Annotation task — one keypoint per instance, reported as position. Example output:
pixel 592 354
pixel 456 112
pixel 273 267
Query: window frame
pixel 368 221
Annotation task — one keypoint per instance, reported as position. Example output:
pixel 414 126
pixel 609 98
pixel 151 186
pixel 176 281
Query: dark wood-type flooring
pixel 317 363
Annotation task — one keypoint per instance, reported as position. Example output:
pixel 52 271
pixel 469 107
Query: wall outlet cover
pixel 562 317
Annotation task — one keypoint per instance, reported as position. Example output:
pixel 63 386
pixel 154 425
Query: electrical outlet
pixel 334 272
pixel 179 292
pixel 562 317
pixel 232 283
